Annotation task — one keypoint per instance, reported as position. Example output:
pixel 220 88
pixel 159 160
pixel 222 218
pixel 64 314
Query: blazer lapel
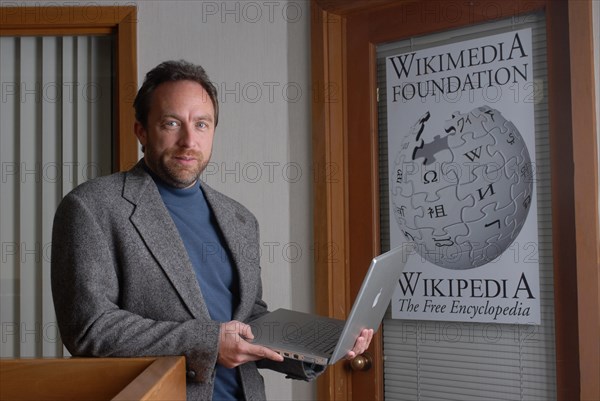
pixel 158 231
pixel 245 255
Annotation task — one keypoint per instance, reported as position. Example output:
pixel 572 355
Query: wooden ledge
pixel 84 379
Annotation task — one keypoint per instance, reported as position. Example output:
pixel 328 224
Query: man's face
pixel 179 134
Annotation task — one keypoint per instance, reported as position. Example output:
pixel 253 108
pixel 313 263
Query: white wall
pixel 257 53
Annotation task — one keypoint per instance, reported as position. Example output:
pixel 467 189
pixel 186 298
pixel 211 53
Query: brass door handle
pixel 361 362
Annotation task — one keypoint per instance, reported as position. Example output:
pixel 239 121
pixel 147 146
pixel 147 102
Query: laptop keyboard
pixel 317 335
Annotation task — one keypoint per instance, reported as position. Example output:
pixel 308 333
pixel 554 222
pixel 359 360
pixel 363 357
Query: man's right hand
pixel 234 350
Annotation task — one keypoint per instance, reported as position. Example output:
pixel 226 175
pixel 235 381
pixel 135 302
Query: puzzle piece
pixel 514 222
pixel 428 151
pixel 439 214
pixel 432 180
pixel 406 211
pixel 492 227
pixel 510 146
pixel 491 118
pixel 470 122
pixel 455 254
pixel 442 251
pixel 479 151
pixel 400 184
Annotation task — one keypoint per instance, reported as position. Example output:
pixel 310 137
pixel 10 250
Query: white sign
pixel 461 140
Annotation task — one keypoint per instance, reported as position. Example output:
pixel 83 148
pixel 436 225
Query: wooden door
pixel 345 156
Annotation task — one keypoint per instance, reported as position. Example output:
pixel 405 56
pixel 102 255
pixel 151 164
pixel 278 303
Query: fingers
pixel 362 343
pixel 261 352
pixel 236 328
pixel 369 337
pixel 246 331
pixel 234 350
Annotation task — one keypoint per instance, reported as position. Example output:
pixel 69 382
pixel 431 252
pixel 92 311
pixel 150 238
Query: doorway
pixel 346 151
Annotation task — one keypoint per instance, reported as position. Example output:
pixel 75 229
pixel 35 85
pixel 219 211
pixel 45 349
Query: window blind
pixel 430 360
pixel 55 133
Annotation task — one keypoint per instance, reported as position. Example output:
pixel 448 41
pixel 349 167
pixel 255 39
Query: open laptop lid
pixel 373 297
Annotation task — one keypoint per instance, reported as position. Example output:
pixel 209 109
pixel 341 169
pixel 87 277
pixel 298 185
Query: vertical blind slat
pixel 68 118
pixel 101 115
pixel 9 185
pixel 82 108
pixel 50 189
pixel 27 210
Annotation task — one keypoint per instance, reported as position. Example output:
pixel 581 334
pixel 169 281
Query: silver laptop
pixel 322 340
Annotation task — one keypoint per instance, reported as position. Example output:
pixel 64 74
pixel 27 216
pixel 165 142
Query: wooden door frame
pixel 119 21
pixel 345 195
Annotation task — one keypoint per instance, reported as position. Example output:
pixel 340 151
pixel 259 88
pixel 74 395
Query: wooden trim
pixel 330 211
pixel 585 154
pixel 102 31
pixel 58 18
pixel 563 208
pixel 344 7
pixel 126 143
pixel 120 21
pixel 363 183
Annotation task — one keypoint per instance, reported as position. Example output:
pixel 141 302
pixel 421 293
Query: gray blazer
pixel 123 284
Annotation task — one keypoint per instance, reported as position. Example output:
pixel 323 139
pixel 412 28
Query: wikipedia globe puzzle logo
pixel 462 192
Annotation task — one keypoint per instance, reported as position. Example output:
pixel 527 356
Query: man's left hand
pixel 361 344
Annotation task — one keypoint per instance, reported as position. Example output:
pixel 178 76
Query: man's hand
pixel 361 344
pixel 234 350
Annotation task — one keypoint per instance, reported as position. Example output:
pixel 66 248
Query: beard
pixel 167 168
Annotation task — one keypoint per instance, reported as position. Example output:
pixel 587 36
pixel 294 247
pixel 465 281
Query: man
pixel 154 262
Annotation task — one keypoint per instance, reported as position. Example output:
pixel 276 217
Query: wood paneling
pixel 81 379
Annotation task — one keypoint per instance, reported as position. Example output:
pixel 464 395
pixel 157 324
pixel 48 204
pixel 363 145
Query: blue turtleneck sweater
pixel 218 279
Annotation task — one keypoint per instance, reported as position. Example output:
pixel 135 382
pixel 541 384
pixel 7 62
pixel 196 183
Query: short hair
pixel 171 71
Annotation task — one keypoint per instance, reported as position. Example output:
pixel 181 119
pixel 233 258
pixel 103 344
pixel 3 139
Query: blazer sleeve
pixel 86 293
